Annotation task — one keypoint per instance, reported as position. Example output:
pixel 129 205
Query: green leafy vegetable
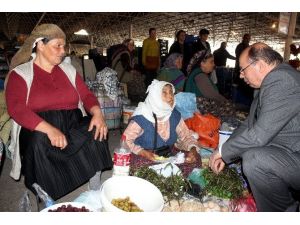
pixel 226 184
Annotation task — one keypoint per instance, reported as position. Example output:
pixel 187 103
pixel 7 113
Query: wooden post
pixel 130 31
pixel 91 41
pixel 289 38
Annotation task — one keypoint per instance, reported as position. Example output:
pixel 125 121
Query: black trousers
pixel 150 75
pixel 273 174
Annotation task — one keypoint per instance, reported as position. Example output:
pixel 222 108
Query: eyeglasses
pixel 243 69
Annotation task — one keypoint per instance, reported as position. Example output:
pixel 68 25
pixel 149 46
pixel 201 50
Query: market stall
pixel 184 186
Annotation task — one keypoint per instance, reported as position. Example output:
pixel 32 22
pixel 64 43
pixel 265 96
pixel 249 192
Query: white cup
pixel 223 136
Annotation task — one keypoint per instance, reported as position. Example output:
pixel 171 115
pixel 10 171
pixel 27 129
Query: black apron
pixel 57 171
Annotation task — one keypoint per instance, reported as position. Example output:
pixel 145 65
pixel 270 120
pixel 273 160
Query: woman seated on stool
pixel 60 148
pixel 140 133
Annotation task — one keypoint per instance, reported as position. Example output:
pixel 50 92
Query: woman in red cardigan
pixel 60 149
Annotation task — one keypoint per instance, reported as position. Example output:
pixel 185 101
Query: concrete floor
pixel 11 191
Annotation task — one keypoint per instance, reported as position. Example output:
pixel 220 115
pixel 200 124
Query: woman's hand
pixel 56 137
pixel 147 154
pixel 98 122
pixel 192 156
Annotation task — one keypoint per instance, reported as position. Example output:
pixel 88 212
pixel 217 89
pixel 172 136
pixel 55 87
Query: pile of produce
pixel 172 187
pixel 195 205
pixel 69 208
pixel 227 184
pixel 226 111
pixel 215 206
pixel 184 206
pixel 126 204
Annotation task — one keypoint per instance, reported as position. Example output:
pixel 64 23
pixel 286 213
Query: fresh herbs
pixel 172 187
pixel 226 184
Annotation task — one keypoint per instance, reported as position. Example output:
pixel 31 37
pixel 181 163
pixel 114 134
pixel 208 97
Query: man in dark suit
pixel 268 142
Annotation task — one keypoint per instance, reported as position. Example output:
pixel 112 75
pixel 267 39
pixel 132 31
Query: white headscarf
pixel 154 103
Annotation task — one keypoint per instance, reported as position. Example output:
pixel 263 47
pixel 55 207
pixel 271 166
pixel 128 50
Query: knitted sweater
pixel 49 91
pixel 26 72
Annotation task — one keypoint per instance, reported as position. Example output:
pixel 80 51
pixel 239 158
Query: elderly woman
pixel 123 63
pixel 60 149
pixel 171 71
pixel 199 81
pixel 156 124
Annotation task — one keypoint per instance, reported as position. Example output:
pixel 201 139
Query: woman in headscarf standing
pixel 59 148
pixel 199 80
pixel 124 64
pixel 157 116
pixel 171 72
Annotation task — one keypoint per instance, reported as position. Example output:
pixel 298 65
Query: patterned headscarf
pixel 49 31
pixel 198 58
pixel 171 60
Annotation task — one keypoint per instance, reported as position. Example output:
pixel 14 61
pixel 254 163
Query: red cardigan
pixel 49 91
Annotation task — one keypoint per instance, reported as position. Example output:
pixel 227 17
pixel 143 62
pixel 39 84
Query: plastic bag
pixel 186 104
pixel 91 198
pixel 215 204
pixel 43 196
pixel 166 169
pixel 243 204
pixel 207 126
pixel 25 204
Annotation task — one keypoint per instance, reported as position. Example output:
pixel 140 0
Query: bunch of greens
pixel 226 184
pixel 172 187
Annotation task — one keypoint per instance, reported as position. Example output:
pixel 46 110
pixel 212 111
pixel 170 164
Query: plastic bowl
pixel 143 193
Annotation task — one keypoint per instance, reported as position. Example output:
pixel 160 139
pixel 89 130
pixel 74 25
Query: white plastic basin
pixel 143 193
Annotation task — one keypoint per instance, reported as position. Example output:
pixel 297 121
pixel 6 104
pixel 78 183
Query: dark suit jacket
pixel 274 118
pixel 198 46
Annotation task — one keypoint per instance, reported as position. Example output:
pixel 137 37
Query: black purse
pixel 164 151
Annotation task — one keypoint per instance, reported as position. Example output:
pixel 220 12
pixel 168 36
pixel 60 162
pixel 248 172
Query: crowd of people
pixel 61 143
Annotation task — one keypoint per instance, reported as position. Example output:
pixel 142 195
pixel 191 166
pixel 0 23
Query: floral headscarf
pixel 197 58
pixel 170 62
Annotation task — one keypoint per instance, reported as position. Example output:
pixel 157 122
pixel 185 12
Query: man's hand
pixel 216 162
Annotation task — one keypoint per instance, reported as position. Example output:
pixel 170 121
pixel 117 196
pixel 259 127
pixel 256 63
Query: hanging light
pixel 82 32
pixel 274 25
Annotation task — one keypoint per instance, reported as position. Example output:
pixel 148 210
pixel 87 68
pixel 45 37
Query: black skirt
pixel 57 171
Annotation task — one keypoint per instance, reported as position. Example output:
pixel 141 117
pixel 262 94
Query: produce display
pixel 191 204
pixel 213 206
pixel 227 184
pixel 172 187
pixel 136 162
pixel 183 206
pixel 69 208
pixel 227 111
pixel 126 204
